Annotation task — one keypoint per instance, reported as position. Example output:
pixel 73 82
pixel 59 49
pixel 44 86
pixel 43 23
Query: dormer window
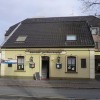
pixel 21 38
pixel 71 37
pixel 95 30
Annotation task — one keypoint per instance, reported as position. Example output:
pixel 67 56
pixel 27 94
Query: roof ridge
pixel 60 17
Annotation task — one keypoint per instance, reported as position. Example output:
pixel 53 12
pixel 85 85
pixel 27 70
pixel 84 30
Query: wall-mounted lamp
pixel 31 59
pixel 58 59
pixel 58 64
pixel 31 63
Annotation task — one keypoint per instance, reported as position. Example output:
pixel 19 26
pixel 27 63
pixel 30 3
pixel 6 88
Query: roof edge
pixel 11 33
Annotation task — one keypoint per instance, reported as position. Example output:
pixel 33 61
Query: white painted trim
pixel 92 65
pixel 3 65
pixel 40 69
pixel 66 63
pixel 11 33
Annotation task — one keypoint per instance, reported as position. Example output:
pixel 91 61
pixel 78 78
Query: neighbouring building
pixel 94 24
pixel 0 61
pixel 0 55
pixel 56 47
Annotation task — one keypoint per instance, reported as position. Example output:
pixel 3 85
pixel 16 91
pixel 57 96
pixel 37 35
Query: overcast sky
pixel 14 11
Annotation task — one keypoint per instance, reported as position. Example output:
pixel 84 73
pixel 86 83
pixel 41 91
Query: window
pixel 71 63
pixel 95 30
pixel 20 62
pixel 71 37
pixel 9 65
pixel 83 63
pixel 21 38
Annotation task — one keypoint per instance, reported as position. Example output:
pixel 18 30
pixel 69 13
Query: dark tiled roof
pixel 92 20
pixel 11 29
pixel 51 33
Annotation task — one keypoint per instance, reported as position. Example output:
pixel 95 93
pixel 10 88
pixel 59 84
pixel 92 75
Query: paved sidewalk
pixel 84 84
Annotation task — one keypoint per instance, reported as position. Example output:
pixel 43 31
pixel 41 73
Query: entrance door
pixel 97 64
pixel 45 67
pixel 97 67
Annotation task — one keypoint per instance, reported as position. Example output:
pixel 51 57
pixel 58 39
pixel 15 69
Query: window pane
pixel 21 60
pixel 21 38
pixel 71 37
pixel 69 60
pixel 83 63
pixel 71 63
pixel 9 65
pixel 73 68
pixel 20 63
pixel 95 30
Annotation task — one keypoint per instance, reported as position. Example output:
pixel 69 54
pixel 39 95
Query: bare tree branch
pixel 96 3
pixel 91 5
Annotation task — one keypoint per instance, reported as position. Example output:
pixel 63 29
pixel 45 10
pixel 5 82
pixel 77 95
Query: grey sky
pixel 14 11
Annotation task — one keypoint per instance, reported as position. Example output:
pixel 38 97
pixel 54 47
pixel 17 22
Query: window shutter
pixel 83 63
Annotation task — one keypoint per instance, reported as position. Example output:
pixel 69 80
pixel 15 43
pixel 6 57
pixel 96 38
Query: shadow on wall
pixel 0 69
pixel 97 77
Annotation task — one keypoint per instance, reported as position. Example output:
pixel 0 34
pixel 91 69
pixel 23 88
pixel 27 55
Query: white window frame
pixel 96 30
pixel 76 63
pixel 15 68
pixel 21 65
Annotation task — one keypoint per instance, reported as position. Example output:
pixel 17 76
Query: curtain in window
pixel 20 62
pixel 71 63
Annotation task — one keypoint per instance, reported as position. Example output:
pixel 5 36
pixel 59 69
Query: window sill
pixel 71 72
pixel 19 71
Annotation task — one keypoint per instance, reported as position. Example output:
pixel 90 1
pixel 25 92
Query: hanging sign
pixel 9 61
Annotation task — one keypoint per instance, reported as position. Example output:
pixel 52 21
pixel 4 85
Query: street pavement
pixel 72 83
pixel 29 89
pixel 49 93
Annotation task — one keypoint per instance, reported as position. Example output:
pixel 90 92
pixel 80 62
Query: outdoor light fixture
pixel 58 59
pixel 58 64
pixel 31 63
pixel 31 59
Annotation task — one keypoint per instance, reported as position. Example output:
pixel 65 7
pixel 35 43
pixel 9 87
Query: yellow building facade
pixel 41 57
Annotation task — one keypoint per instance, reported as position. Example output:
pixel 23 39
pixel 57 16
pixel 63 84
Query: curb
pixel 37 98
pixel 39 86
